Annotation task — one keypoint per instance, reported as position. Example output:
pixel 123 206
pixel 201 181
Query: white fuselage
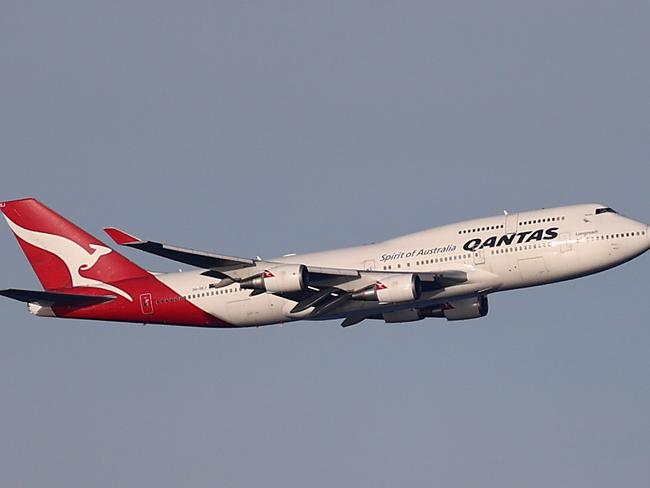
pixel 498 253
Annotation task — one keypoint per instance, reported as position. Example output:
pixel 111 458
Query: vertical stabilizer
pixel 61 254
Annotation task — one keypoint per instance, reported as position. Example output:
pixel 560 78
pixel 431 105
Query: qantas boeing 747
pixel 447 271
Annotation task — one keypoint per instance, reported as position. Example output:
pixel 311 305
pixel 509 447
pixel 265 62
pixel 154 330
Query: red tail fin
pixel 62 254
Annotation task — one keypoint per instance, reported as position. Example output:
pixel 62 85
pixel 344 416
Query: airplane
pixel 445 272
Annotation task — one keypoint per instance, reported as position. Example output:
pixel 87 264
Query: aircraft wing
pixel 200 259
pixel 221 266
pixel 326 297
pixel 328 287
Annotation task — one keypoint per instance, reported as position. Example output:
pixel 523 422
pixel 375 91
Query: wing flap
pixel 314 299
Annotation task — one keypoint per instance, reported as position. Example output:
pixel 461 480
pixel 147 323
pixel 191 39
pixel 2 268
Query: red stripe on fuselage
pixel 168 307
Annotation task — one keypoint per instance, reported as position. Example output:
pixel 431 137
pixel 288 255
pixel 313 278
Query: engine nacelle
pixel 281 279
pixel 398 288
pixel 468 308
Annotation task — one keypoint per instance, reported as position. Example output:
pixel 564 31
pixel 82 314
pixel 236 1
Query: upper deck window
pixel 605 210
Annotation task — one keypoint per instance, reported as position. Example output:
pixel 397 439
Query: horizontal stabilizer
pixel 48 298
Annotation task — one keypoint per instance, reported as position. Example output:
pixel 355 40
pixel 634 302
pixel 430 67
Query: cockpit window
pixel 605 210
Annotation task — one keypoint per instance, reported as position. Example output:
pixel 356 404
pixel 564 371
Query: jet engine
pixel 468 308
pixel 281 279
pixel 398 288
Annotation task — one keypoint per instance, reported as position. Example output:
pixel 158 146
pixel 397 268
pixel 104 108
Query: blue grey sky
pixel 273 127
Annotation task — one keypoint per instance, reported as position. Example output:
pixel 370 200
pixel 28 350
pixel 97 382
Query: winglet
pixel 121 237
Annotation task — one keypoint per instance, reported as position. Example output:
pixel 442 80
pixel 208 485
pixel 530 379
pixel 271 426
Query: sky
pixel 263 128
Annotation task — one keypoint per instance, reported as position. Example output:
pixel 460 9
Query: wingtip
pixel 120 237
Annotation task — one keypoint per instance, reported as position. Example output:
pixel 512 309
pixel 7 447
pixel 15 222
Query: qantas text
pixel 508 239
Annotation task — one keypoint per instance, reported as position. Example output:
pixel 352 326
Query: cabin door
pixel 512 222
pixel 146 303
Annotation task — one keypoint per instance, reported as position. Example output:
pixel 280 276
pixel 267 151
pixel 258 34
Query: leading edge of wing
pixel 219 265
pixel 200 259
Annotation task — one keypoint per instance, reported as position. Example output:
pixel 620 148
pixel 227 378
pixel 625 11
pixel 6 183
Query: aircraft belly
pixel 251 311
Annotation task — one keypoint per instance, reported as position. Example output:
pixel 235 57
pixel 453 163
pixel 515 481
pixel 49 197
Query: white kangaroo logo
pixel 72 254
